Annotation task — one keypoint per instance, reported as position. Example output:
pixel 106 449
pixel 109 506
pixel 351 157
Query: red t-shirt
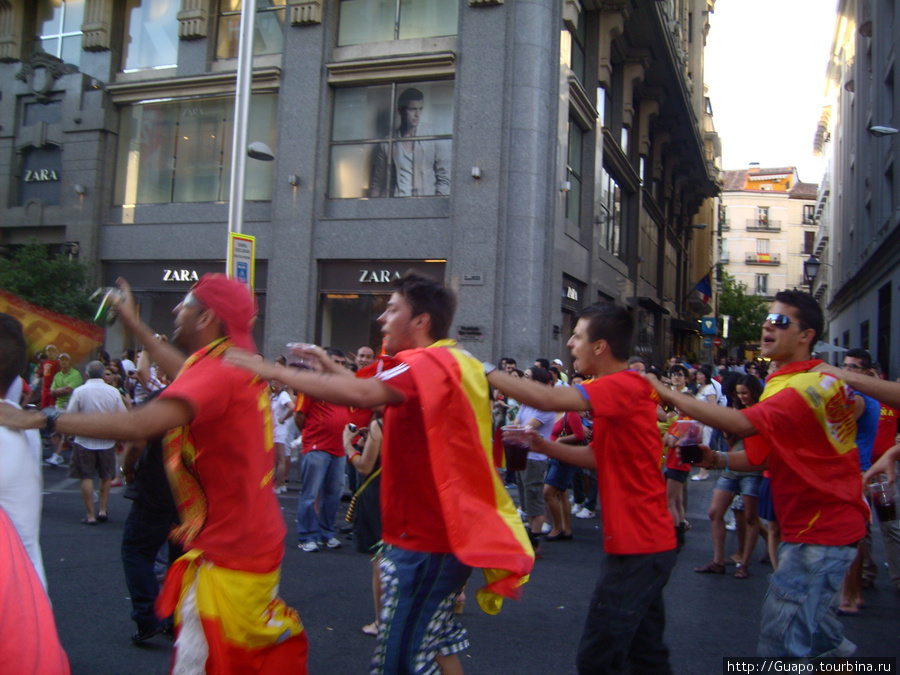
pixel 232 431
pixel 627 448
pixel 886 433
pixel 672 461
pixel 324 425
pixel 411 515
pixel 49 369
pixel 815 487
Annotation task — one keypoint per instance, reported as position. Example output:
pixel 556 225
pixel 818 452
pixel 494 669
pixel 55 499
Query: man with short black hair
pixel 365 356
pixel 803 427
pixel 626 618
pixel 437 440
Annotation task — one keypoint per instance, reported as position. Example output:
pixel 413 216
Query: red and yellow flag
pixel 482 524
pixel 43 327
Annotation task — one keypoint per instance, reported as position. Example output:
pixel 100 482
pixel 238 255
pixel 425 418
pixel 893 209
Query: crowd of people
pixel 790 435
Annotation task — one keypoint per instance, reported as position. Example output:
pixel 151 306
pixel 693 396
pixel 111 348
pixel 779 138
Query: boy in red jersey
pixel 803 429
pixel 626 620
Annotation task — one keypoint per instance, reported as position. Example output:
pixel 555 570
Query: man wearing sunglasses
pixel 804 431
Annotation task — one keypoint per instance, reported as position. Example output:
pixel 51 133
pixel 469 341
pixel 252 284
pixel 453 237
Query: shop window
pixel 58 28
pixel 367 21
pixel 180 151
pixel 392 140
pixel 151 34
pixel 268 34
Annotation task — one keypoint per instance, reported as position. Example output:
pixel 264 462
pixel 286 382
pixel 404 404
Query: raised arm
pixel 538 395
pixel 359 393
pixel 720 417
pixel 168 358
pixel 884 390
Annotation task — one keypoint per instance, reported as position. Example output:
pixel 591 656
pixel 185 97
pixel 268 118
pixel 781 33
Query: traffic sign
pixel 707 342
pixel 717 342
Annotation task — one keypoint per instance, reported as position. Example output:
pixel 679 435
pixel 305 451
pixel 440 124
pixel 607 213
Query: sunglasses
pixel 778 320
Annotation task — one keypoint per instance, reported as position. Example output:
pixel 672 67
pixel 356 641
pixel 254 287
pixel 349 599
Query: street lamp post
pixel 811 270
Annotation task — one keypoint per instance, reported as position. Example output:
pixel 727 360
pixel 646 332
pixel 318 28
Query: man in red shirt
pixel 219 458
pixel 321 467
pixel 444 509
pixel 804 431
pixel 626 619
pixel 49 368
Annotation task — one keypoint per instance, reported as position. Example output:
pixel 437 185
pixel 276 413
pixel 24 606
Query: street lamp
pixel 811 270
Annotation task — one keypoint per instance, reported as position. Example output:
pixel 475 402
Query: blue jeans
pixel 796 619
pixel 145 531
pixel 323 472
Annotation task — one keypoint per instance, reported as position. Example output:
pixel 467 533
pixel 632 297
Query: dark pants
pixel 623 632
pixel 146 530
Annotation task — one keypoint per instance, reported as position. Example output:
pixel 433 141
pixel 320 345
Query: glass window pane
pixel 48 46
pixel 411 169
pixel 427 18
pixel 573 199
pixel 261 127
pixel 146 154
pixel 228 36
pixel 436 110
pixel 151 37
pixel 268 34
pixel 74 16
pixel 49 17
pixel 362 113
pixel 350 171
pixel 198 150
pixel 365 21
pixel 71 49
pixel 576 141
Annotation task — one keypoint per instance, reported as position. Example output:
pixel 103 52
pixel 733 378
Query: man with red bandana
pixel 219 458
pixel 804 431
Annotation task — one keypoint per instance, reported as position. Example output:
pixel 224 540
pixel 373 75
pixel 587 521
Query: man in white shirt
pixel 94 456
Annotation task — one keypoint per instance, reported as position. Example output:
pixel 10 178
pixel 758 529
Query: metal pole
pixel 241 115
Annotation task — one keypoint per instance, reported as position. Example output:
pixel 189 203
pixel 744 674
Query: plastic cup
pixel 516 443
pixel 884 501
pixel 690 434
pixel 107 310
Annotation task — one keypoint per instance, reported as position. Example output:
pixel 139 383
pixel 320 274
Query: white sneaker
pixel 334 542
pixel 585 513
pixel 308 546
pixel 545 528
pixel 55 460
pixel 522 515
pixel 576 508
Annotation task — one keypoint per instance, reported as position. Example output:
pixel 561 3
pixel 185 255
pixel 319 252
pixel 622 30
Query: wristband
pixel 50 414
pixel 352 455
pixel 489 367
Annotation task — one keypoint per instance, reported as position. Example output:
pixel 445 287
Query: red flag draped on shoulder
pixel 482 524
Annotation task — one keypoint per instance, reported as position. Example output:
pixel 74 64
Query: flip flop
pixel 742 572
pixel 102 517
pixel 712 568
pixel 845 612
pixel 88 521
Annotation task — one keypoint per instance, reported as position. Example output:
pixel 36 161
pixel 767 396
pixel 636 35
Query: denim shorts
pixel 796 619
pixel 560 474
pixel 741 485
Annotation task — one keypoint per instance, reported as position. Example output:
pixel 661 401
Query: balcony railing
pixel 763 259
pixel 724 258
pixel 763 225
pixel 725 225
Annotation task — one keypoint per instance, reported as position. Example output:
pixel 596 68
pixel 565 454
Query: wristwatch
pixel 50 413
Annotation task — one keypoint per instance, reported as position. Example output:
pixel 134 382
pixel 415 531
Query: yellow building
pixel 767 227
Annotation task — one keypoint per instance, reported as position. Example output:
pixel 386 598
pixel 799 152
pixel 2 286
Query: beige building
pixel 767 227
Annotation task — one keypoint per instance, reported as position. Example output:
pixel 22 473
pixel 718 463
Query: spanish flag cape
pixel 823 418
pixel 482 524
pixel 227 609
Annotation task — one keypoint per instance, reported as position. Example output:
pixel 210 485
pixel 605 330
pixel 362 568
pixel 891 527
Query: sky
pixel 765 64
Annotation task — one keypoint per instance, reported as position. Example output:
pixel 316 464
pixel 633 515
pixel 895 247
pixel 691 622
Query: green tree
pixel 51 281
pixel 747 310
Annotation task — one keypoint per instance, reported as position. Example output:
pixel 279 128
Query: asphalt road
pixel 708 616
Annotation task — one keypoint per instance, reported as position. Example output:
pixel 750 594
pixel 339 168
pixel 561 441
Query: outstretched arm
pixel 359 393
pixel 537 395
pixel 884 390
pixel 725 419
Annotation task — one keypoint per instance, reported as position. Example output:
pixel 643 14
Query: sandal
pixel 88 521
pixel 371 628
pixel 712 568
pixel 742 572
